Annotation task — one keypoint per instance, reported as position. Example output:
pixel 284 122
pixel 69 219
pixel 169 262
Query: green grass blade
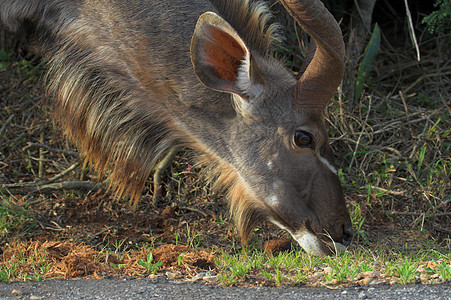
pixel 365 66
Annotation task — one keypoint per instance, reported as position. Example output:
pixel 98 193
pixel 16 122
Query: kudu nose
pixel 348 233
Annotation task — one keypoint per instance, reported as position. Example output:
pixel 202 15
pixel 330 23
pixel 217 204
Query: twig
pixel 411 213
pixel 195 210
pixel 56 228
pixel 412 30
pixel 41 156
pixel 442 229
pixel 404 66
pixel 422 77
pixel 41 183
pixel 403 99
pixel 102 231
pixel 386 191
pixel 445 104
pixel 69 152
pixel 58 176
pixel 64 185
pixel 392 125
pixel 6 124
pixel 401 94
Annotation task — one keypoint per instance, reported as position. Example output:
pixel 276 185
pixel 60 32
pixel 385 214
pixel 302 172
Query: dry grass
pixel 35 260
pixel 394 145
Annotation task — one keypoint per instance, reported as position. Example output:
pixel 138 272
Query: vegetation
pixel 439 21
pixel 36 261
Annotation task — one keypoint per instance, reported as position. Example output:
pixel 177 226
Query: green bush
pixel 439 21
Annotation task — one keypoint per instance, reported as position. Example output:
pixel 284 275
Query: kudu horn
pixel 325 71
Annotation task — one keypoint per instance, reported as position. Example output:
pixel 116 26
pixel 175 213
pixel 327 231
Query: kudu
pixel 132 79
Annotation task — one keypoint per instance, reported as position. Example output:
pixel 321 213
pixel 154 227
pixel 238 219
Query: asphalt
pixel 161 288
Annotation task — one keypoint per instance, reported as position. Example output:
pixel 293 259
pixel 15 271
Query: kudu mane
pixel 108 115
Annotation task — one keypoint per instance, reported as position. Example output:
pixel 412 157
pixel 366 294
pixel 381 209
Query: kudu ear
pixel 221 59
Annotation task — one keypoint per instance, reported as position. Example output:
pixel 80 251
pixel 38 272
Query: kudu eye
pixel 303 139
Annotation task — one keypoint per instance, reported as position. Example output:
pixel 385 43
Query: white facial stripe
pixel 327 164
pixel 269 164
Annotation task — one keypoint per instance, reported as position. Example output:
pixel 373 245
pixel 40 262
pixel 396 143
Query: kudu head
pixel 276 159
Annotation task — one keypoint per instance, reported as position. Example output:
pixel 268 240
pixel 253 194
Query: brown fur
pixel 106 118
pixel 244 207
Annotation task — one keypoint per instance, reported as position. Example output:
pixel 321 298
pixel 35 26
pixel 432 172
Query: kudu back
pixel 132 79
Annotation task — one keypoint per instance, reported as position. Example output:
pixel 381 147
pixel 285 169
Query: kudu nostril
pixel 348 233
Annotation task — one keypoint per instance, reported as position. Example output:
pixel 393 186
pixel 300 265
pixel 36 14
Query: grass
pixel 444 270
pixel 351 267
pixel 364 262
pixel 149 265
pixel 7 272
pixel 193 238
pixel 15 216
pixel 357 221
pixel 406 270
pixel 36 268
